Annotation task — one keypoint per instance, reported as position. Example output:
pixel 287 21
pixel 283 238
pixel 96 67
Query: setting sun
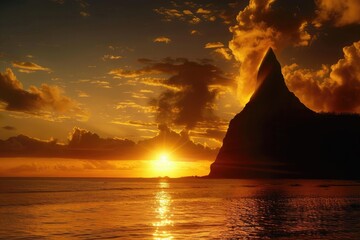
pixel 164 157
pixel 163 164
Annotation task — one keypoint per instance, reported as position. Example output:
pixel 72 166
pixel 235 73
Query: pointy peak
pixel 268 64
pixel 270 81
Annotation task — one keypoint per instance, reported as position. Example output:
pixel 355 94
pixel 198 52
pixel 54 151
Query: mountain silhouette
pixel 277 136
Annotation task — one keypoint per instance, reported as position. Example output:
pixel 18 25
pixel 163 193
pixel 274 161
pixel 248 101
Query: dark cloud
pixel 193 90
pixel 83 139
pixel 10 128
pixel 40 101
pixel 84 144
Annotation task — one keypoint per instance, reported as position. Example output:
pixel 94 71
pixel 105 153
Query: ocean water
pixel 190 208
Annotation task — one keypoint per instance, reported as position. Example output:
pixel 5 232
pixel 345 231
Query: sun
pixel 163 164
pixel 164 157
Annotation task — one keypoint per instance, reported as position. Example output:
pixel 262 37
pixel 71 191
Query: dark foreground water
pixel 178 209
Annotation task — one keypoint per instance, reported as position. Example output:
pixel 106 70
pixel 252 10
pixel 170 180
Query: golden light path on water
pixel 163 213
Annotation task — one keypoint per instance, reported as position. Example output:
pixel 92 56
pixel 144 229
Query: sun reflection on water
pixel 163 213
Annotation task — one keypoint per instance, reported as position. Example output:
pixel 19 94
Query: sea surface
pixel 188 208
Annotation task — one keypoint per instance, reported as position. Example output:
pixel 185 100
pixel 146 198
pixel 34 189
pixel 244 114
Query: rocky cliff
pixel 276 136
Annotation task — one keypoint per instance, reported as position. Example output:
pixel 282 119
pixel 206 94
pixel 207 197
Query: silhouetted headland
pixel 277 136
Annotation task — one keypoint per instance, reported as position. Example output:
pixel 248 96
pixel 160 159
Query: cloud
pixel 84 6
pixel 39 101
pixel 203 11
pixel 214 45
pixel 82 144
pixel 187 12
pixel 329 89
pixel 29 67
pixel 196 88
pixel 169 14
pixel 215 134
pixel 83 94
pixel 260 27
pixel 224 52
pixel 340 12
pixel 101 83
pixel 83 139
pixel 157 82
pixel 123 73
pixel 126 105
pixel 84 14
pixel 134 123
pixel 162 39
pixel 228 14
pixel 220 50
pixel 195 32
pixel 9 128
pixel 194 13
pixel 111 57
pixel 191 89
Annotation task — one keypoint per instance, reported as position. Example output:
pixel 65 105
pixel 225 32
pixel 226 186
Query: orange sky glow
pixel 108 89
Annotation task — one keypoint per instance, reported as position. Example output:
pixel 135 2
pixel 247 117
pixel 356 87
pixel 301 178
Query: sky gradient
pixel 108 85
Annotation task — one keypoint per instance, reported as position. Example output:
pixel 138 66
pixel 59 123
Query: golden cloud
pixel 29 67
pixel 342 13
pixel 111 57
pixel 101 83
pixel 187 12
pixel 162 39
pixel 203 11
pixel 126 105
pixel 329 89
pixel 224 52
pixel 194 13
pixel 43 101
pixel 194 32
pixel 214 45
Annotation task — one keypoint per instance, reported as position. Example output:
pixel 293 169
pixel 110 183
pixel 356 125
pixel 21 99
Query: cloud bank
pixel 83 144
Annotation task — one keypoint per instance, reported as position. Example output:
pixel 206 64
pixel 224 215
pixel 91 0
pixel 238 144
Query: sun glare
pixel 164 157
pixel 163 164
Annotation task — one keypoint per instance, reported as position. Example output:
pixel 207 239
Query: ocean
pixel 185 208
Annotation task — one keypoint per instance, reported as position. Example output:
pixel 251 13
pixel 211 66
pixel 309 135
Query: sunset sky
pixel 146 88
